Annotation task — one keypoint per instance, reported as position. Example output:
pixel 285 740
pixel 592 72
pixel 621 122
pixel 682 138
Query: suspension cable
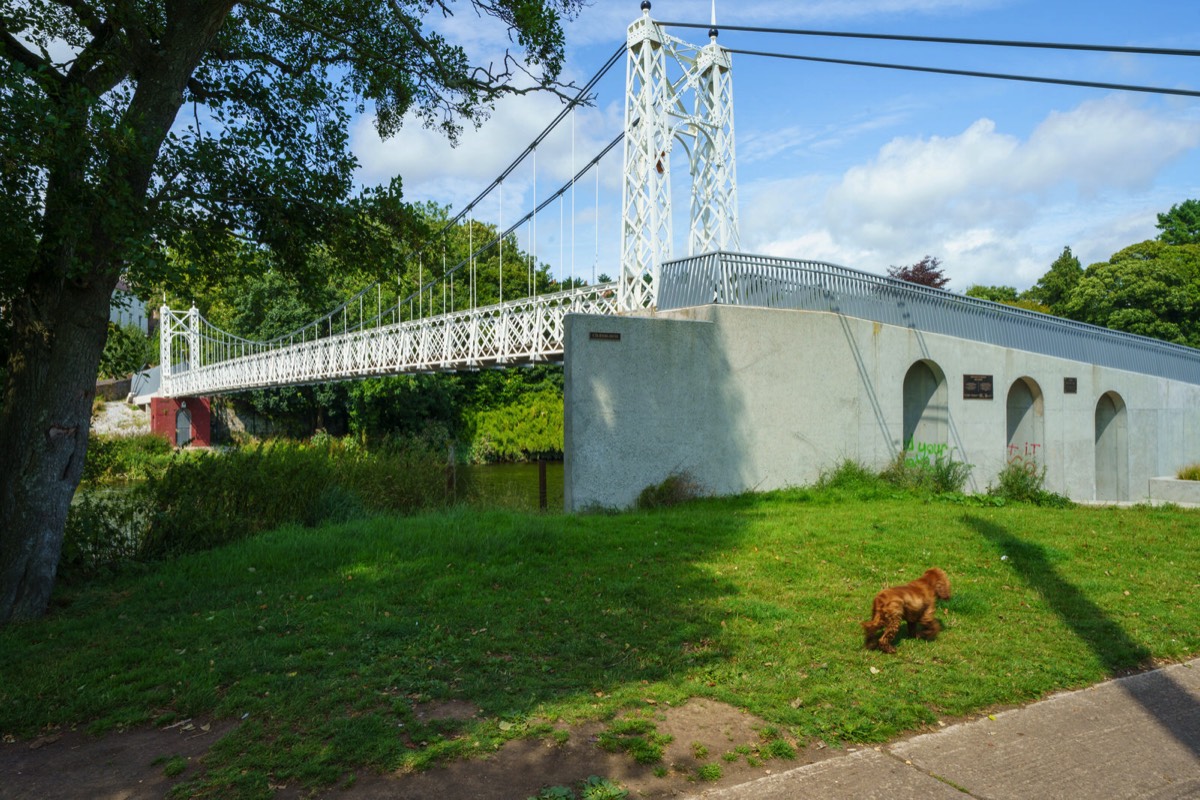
pixel 973 74
pixel 1098 48
pixel 580 98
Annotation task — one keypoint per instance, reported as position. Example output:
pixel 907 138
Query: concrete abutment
pixel 756 399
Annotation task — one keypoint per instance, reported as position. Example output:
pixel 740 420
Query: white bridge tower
pixel 695 108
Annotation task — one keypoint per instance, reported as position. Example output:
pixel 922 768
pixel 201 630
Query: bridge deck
pixel 530 330
pixel 524 331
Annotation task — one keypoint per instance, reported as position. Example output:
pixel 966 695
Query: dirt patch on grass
pixel 133 765
pixel 703 732
pixel 129 765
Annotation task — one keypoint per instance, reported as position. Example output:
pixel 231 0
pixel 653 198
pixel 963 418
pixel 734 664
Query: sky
pixel 863 167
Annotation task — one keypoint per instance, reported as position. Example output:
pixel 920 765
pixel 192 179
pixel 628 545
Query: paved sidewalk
pixel 1135 737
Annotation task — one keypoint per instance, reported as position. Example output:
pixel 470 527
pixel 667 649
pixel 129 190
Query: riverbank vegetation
pixel 327 641
pixel 188 501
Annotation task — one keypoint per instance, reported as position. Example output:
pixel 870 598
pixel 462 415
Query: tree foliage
pixel 263 302
pixel 926 272
pixel 529 426
pixel 1180 225
pixel 1053 288
pixel 1007 295
pixel 127 350
pixel 997 294
pixel 1151 289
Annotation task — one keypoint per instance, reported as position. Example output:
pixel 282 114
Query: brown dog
pixel 912 603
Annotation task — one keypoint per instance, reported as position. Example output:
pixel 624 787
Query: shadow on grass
pixel 1169 703
pixel 338 646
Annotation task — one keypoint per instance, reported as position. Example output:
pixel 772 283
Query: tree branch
pixel 234 56
pixel 87 16
pixel 495 84
pixel 13 50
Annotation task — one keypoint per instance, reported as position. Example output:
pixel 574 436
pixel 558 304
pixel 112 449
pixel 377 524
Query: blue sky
pixel 863 167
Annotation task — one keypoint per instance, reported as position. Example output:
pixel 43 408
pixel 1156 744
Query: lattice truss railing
pixel 200 359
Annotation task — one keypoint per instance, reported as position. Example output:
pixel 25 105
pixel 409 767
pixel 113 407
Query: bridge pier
pixel 182 421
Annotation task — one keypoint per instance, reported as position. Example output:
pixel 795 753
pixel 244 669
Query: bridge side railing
pixel 203 361
pixel 771 282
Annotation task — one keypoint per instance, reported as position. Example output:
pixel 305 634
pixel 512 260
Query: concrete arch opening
pixel 1026 425
pixel 926 413
pixel 1112 448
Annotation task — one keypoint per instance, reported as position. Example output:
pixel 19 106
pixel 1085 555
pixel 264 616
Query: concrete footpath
pixel 1135 737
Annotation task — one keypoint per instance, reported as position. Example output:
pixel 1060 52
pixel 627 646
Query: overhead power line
pixel 974 74
pixel 1097 48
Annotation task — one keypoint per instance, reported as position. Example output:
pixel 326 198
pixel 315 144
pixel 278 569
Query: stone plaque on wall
pixel 977 387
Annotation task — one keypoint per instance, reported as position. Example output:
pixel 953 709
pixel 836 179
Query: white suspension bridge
pixel 675 92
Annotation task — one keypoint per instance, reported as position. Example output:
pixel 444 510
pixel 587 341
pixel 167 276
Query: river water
pixel 513 486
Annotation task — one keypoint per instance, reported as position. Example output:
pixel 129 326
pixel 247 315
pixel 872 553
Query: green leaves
pixel 1181 225
pixel 1151 289
pixel 127 350
pixel 531 426
pixel 268 89
pixel 1053 288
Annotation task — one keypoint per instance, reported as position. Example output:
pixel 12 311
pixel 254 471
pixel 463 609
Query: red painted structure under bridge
pixel 183 421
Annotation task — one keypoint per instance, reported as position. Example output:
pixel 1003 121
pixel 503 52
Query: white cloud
pixel 995 208
pixel 433 169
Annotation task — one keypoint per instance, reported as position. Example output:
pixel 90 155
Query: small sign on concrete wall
pixel 605 336
pixel 977 387
pixel 1070 385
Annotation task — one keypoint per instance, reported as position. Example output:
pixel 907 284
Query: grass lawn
pixel 325 640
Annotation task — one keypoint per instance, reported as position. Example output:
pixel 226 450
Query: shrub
pixel 676 488
pixel 1019 484
pixel 1189 473
pixel 202 500
pixel 938 476
pixel 849 474
pixel 104 528
pixel 123 458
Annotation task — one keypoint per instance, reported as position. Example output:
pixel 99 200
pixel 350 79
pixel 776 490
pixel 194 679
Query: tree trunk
pixel 93 219
pixel 43 437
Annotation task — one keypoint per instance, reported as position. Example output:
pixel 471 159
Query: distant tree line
pixel 1151 288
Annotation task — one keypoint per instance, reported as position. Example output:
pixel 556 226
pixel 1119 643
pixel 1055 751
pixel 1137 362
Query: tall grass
pixel 197 501
pixel 1018 483
pixel 124 458
pixel 939 475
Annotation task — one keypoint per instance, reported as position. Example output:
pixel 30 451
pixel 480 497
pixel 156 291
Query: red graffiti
pixel 1025 455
